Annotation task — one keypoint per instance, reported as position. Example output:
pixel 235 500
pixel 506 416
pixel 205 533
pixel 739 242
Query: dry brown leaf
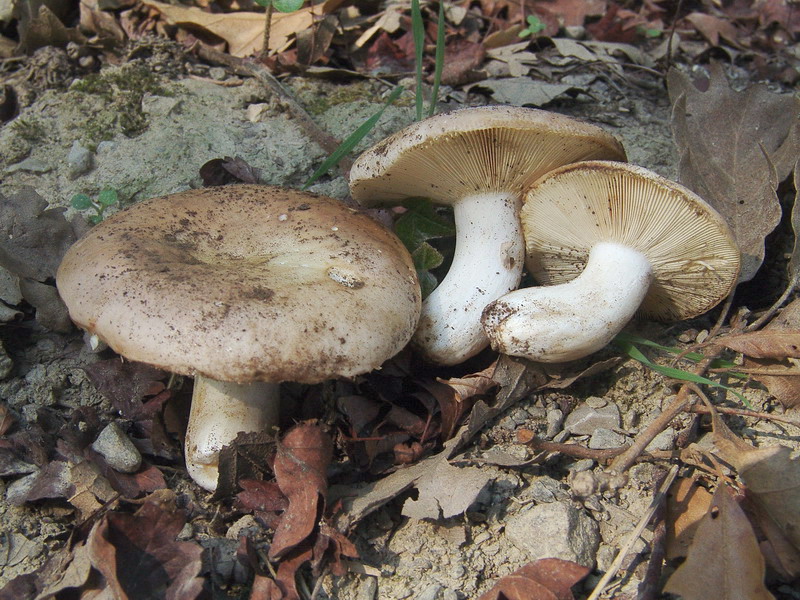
pixel 573 12
pixel 734 149
pixel 768 343
pixel 140 557
pixel 544 579
pixel 724 561
pixel 712 28
pixel 687 503
pixel 779 374
pixel 243 31
pixel 301 461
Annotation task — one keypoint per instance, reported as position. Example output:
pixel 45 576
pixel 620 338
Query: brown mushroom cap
pixel 692 251
pixel 475 150
pixel 244 283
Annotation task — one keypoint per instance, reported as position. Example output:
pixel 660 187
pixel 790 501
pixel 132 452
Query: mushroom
pixel 480 161
pixel 242 287
pixel 607 240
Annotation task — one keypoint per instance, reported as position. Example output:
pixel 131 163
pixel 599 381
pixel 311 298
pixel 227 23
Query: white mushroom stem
pixel 488 263
pixel 571 320
pixel 220 410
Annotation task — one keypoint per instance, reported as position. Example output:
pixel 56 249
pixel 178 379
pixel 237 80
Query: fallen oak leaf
pixel 724 561
pixel 301 461
pixel 735 147
pixel 544 579
pixel 140 558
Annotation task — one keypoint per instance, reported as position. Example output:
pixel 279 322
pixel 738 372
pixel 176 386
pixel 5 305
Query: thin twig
pixel 743 412
pixel 634 535
pixel 573 450
pixel 267 29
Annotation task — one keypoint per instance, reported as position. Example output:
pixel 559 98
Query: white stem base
pixel 569 321
pixel 487 263
pixel 220 410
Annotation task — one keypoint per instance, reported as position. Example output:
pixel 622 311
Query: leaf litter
pixel 305 539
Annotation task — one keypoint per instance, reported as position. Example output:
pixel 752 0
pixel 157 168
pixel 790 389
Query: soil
pixel 180 114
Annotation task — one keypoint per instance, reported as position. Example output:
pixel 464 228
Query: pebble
pixel 430 592
pixel 546 489
pixel 217 73
pixel 585 418
pixel 555 530
pixel 603 438
pixel 663 441
pixel 117 449
pixel 555 419
pixel 80 160
pixel 368 589
pixel 31 165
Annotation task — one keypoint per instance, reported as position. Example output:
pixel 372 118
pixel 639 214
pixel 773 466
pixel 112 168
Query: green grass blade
pixel 632 351
pixel 353 139
pixel 696 357
pixel 437 71
pixel 418 31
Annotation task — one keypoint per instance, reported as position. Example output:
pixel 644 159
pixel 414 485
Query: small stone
pixel 31 165
pixel 117 449
pixel 546 489
pixel 368 589
pixel 247 522
pixel 519 416
pixel 663 441
pixel 159 106
pixel 80 160
pixel 106 146
pixel 561 436
pixel 555 419
pixel 596 402
pixel 538 413
pixel 449 594
pixel 583 464
pixel 603 439
pixel 217 73
pixel 430 592
pixel 555 530
pixel 585 419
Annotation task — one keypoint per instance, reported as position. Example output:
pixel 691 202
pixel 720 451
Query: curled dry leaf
pixel 724 561
pixel 140 558
pixel 735 147
pixel 768 343
pixel 544 579
pixel 301 461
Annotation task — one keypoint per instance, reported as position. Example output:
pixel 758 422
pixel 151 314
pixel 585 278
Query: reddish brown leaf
pixel 612 27
pixel 687 504
pixel 126 383
pixel 712 28
pixel 724 561
pixel 140 557
pixel 571 13
pixel 301 461
pixel 385 56
pixel 265 588
pixel 544 579
pixel 461 58
pixel 260 495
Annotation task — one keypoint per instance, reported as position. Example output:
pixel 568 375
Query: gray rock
pixel 368 589
pixel 555 419
pixel 555 530
pixel 117 449
pixel 585 418
pixel 546 489
pixel 430 592
pixel 80 160
pixel 663 441
pixel 31 165
pixel 603 439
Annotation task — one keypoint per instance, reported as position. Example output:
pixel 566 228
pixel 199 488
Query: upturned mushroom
pixel 606 240
pixel 478 160
pixel 242 287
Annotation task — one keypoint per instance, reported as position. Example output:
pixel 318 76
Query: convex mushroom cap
pixel 243 284
pixel 606 240
pixel 479 160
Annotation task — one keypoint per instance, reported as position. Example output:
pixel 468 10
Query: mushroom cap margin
pixel 475 150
